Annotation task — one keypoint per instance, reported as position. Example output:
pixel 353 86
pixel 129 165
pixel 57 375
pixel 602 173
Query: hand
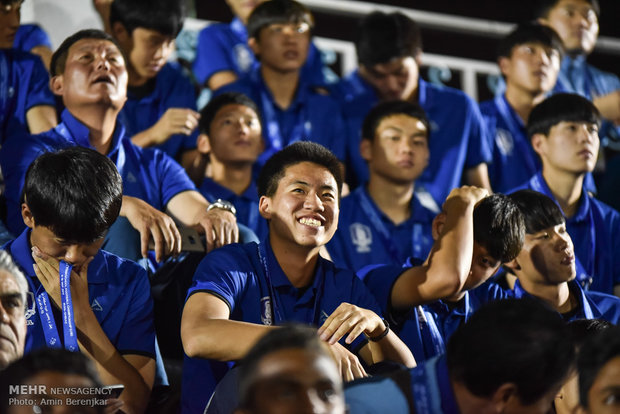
pixel 47 270
pixel 220 227
pixel 464 196
pixel 348 364
pixel 151 222
pixel 609 106
pixel 350 319
pixel 113 405
pixel 174 121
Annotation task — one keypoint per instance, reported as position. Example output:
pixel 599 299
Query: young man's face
pixel 604 394
pixel 282 47
pixel 243 8
pixel 292 381
pixel 569 147
pixel 394 80
pixel 547 257
pixel 235 134
pixel 147 51
pixel 483 266
pixel 12 320
pixel 94 73
pixel 399 150
pixel 9 22
pixel 576 23
pixel 532 67
pixel 304 209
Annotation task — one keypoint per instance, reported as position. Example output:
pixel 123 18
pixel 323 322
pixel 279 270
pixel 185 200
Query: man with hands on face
pixel 241 291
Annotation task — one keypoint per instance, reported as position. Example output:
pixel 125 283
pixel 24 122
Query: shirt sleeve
pixel 211 54
pixel 478 148
pixel 39 92
pixel 30 36
pixel 171 176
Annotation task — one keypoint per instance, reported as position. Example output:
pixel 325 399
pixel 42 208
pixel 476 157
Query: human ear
pixel 27 216
pixel 264 207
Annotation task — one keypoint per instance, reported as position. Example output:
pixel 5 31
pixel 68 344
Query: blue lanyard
pixel 426 393
pixel 431 337
pixel 52 338
pixel 582 84
pixel 516 129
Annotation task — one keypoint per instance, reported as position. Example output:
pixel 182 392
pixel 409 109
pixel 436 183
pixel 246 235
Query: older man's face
pixel 12 320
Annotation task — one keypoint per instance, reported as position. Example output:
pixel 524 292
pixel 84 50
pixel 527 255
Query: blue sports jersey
pixel 246 204
pixel 593 229
pixel 24 84
pixel 172 89
pixel 224 47
pixel 257 291
pixel 147 174
pixel 458 136
pixel 366 235
pixel 120 296
pixel 312 116
pixel 29 36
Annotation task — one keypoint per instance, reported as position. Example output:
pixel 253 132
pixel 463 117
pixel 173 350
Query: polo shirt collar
pixel 76 132
pixel 584 308
pixel 538 183
pixel 239 29
pixel 211 187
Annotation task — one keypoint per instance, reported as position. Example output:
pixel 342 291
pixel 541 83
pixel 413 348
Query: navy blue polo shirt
pixel 29 36
pixel 172 89
pixel 246 204
pixel 235 274
pixel 593 229
pixel 224 47
pixel 148 174
pixel 24 84
pixel 120 296
pixel 458 138
pixel 312 116
pixel 366 235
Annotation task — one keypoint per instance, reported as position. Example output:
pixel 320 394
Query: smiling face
pixel 282 47
pixel 604 394
pixel 394 80
pixel 12 320
pixel 304 209
pixel 532 67
pixel 576 23
pixel 9 22
pixel 94 73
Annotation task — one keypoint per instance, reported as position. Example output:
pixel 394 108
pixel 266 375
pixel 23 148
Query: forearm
pixel 188 207
pixel 478 176
pixel 390 348
pixel 145 138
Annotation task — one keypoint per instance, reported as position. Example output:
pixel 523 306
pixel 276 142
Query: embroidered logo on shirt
pixel 131 178
pixel 96 306
pixel 265 311
pixel 361 236
pixel 243 57
pixel 504 141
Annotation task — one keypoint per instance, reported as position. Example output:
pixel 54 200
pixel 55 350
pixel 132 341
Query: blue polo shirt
pixel 246 204
pixel 24 84
pixel 425 389
pixel 224 47
pixel 257 291
pixel 458 136
pixel 312 116
pixel 29 36
pixel 366 235
pixel 120 296
pixel 147 174
pixel 593 229
pixel 171 89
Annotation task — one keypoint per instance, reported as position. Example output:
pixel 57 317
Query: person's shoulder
pixel 596 72
pixel 605 209
pixel 120 269
pixel 232 257
pixel 488 107
pixel 245 85
pixel 214 30
pixel 22 59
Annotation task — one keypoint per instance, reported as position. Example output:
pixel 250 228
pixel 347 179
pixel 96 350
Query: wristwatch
pixel 223 205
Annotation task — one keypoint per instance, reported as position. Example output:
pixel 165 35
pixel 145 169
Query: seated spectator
pixel 389 47
pixel 563 131
pixel 598 364
pixel 223 54
pixel 529 60
pixel 291 108
pixel 512 356
pixel 89 74
pixel 473 235
pixel 13 290
pixel 160 110
pixel 32 38
pixel 389 218
pixel 231 140
pixel 241 291
pixel 289 370
pixel 55 376
pixel 110 298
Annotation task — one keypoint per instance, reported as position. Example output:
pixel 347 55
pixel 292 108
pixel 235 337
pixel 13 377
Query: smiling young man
pixel 563 131
pixel 242 291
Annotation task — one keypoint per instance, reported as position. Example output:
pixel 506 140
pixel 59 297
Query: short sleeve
pixel 478 148
pixel 171 176
pixel 39 92
pixel 211 54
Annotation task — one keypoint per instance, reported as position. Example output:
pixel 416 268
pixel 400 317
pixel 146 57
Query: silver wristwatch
pixel 223 205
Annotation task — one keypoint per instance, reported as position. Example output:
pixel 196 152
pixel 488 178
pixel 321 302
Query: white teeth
pixel 310 221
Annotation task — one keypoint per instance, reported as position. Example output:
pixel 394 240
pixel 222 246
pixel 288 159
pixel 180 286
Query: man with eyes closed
pixel 240 292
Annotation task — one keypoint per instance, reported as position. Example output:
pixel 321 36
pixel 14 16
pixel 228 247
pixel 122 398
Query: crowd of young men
pixel 420 238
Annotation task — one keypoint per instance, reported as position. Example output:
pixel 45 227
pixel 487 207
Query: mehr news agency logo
pixel 44 396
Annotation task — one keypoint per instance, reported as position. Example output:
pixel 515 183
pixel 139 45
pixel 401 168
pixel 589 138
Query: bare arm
pixel 609 106
pixel 478 176
pixel 45 53
pixel 448 264
pixel 617 290
pixel 219 79
pixel 41 118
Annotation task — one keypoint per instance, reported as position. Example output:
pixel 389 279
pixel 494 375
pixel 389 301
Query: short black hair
pixel 278 11
pixel 390 108
pixel 163 16
pixel 543 7
pixel 561 107
pixel 499 227
pixel 209 112
pixel 530 32
pixel 582 329
pixel 539 211
pixel 75 192
pixel 597 351
pixel 298 152
pixel 289 336
pixel 518 341
pixel 59 57
pixel 382 37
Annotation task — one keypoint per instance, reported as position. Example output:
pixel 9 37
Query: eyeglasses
pixel 294 28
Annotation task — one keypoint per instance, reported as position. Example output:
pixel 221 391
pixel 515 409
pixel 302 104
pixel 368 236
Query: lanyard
pixel 426 393
pixel 516 129
pixel 52 337
pixel 431 337
pixel 578 82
